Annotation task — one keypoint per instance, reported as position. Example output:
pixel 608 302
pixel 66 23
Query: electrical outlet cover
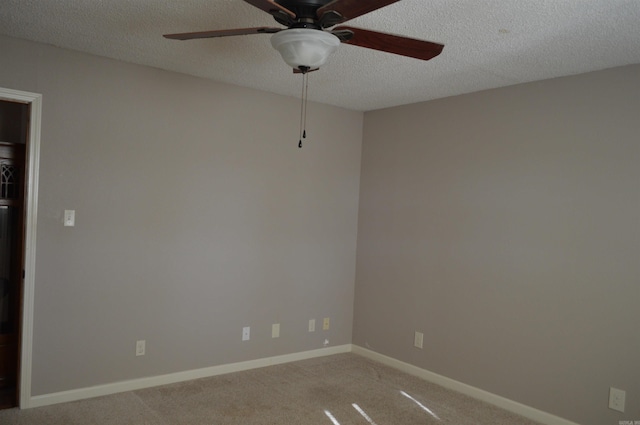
pixel 246 333
pixel 418 339
pixel 140 347
pixel 616 399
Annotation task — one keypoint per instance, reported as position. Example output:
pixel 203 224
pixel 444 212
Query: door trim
pixel 32 160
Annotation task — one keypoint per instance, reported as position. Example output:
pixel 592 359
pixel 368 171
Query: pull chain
pixel 303 106
pixel 306 99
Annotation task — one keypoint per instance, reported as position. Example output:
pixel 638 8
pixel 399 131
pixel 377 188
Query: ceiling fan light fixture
pixel 304 47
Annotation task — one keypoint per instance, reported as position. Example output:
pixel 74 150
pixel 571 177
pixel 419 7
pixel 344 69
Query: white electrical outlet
pixel 312 325
pixel 616 399
pixel 246 333
pixel 325 324
pixel 140 347
pixel 275 330
pixel 418 338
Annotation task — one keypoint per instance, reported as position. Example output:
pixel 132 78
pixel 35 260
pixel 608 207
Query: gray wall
pixel 196 215
pixel 505 225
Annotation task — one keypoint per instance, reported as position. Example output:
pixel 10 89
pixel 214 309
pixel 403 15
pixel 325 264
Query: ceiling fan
pixel 305 43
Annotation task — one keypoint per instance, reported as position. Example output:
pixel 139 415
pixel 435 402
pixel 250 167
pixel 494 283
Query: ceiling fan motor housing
pixel 303 47
pixel 303 8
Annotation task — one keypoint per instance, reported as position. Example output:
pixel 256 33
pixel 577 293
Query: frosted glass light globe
pixel 304 47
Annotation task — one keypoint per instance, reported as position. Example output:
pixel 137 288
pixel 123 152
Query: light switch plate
pixel 69 218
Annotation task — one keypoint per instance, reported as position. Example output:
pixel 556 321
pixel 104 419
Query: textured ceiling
pixel 488 43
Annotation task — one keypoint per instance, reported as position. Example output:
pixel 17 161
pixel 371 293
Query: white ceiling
pixel 488 43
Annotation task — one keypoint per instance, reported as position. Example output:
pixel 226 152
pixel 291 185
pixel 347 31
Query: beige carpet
pixel 342 389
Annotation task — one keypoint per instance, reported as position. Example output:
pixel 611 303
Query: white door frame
pixel 31 208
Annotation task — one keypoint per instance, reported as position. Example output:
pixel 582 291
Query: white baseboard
pixel 496 400
pixel 137 384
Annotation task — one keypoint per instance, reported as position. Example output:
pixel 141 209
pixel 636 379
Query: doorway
pixel 14 125
pixel 22 149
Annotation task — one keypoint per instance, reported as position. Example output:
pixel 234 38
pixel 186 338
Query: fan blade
pixel 343 10
pixel 222 33
pixel 390 43
pixel 270 7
